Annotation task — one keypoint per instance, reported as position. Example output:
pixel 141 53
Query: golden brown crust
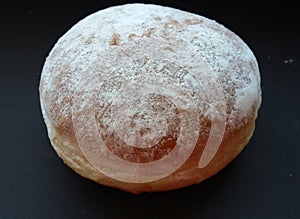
pixel 189 174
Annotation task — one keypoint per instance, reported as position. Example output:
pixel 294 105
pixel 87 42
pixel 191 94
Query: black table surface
pixel 263 182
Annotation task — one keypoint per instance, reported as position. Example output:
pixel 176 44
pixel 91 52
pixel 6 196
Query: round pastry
pixel 149 98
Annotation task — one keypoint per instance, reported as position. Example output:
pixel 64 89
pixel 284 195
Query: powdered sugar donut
pixel 149 98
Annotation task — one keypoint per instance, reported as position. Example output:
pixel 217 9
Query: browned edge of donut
pixel 188 174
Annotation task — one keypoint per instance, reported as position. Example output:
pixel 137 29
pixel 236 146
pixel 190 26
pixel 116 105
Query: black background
pixel 263 182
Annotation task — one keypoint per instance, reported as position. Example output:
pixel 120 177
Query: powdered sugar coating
pixel 194 59
pixel 88 41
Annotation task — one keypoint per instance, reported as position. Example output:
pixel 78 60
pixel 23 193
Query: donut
pixel 146 98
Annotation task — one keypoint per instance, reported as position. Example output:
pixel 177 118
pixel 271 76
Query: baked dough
pixel 149 98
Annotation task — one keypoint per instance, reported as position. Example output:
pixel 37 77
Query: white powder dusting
pixel 184 57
